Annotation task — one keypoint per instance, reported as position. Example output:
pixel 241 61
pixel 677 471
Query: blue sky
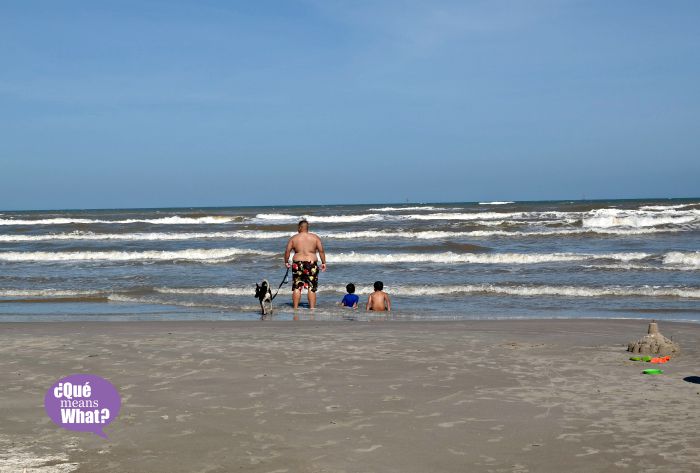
pixel 173 103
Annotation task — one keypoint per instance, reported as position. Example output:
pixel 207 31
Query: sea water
pixel 618 258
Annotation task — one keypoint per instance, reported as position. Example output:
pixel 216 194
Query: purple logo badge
pixel 83 402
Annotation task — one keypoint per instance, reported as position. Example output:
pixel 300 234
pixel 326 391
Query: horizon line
pixel 349 205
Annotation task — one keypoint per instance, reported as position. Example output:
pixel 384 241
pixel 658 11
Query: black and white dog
pixel 264 294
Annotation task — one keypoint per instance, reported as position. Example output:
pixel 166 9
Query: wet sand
pixel 477 396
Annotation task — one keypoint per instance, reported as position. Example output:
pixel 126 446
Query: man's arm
pixel 322 253
pixel 369 303
pixel 387 300
pixel 288 252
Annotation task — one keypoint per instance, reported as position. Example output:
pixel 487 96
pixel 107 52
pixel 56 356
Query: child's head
pixel 378 286
pixel 350 288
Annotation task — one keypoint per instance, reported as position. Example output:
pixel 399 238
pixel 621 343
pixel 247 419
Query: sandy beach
pixel 478 396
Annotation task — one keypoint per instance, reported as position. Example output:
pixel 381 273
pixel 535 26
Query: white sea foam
pixel 607 218
pixel 458 216
pixel 508 217
pixel 352 235
pixel 480 216
pixel 174 220
pixel 447 235
pixel 598 218
pixel 47 293
pixel 395 290
pixel 398 209
pixel 478 258
pixel 243 234
pixel 529 291
pixel 152 300
pixel 447 290
pixel 689 259
pixel 219 291
pixel 221 254
pixel 667 207
pixel 640 267
pixel 497 202
pixel 225 254
pixel 48 221
pixel 286 218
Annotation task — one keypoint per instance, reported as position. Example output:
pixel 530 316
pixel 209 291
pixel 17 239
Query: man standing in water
pixel 305 263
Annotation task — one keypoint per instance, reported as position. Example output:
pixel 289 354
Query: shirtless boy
pixel 379 300
pixel 305 263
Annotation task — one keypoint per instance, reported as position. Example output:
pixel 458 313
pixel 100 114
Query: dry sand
pixel 476 396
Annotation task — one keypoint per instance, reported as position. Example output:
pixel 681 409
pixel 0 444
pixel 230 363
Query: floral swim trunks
pixel 304 275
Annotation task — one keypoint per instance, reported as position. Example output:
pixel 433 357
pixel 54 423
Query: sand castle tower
pixel 653 343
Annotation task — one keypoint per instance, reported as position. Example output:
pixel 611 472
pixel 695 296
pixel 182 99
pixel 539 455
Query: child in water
pixel 379 300
pixel 351 299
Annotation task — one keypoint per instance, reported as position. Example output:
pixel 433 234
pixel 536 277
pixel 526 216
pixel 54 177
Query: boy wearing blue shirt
pixel 351 299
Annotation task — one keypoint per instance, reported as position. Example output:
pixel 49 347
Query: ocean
pixel 477 260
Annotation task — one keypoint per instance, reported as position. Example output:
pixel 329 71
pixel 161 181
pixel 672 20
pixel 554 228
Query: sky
pixel 220 103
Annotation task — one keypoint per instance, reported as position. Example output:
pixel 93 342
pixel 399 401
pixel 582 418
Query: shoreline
pixel 362 318
pixel 333 319
pixel 480 395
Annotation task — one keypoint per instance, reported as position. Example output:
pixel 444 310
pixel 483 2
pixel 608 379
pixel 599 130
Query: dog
pixel 264 294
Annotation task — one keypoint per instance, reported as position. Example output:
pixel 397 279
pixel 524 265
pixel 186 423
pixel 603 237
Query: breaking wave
pixel 497 202
pixel 569 217
pixel 491 258
pixel 47 293
pixel 607 218
pixel 243 234
pixel 446 290
pixel 691 259
pixel 460 216
pixel 399 209
pixel 223 254
pixel 219 291
pixel 285 218
pixel 367 234
pixel 667 207
pixel 174 220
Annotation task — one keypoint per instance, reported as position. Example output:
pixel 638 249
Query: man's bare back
pixel 305 246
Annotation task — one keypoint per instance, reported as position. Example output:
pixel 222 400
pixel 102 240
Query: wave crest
pixel 455 289
pixel 174 220
pixel 478 258
pixel 679 258
pixel 607 218
pixel 222 254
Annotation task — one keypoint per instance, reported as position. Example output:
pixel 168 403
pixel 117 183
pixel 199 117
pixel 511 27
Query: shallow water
pixel 631 258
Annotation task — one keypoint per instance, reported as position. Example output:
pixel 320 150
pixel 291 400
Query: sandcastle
pixel 654 343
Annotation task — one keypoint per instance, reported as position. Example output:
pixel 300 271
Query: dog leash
pixel 284 280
